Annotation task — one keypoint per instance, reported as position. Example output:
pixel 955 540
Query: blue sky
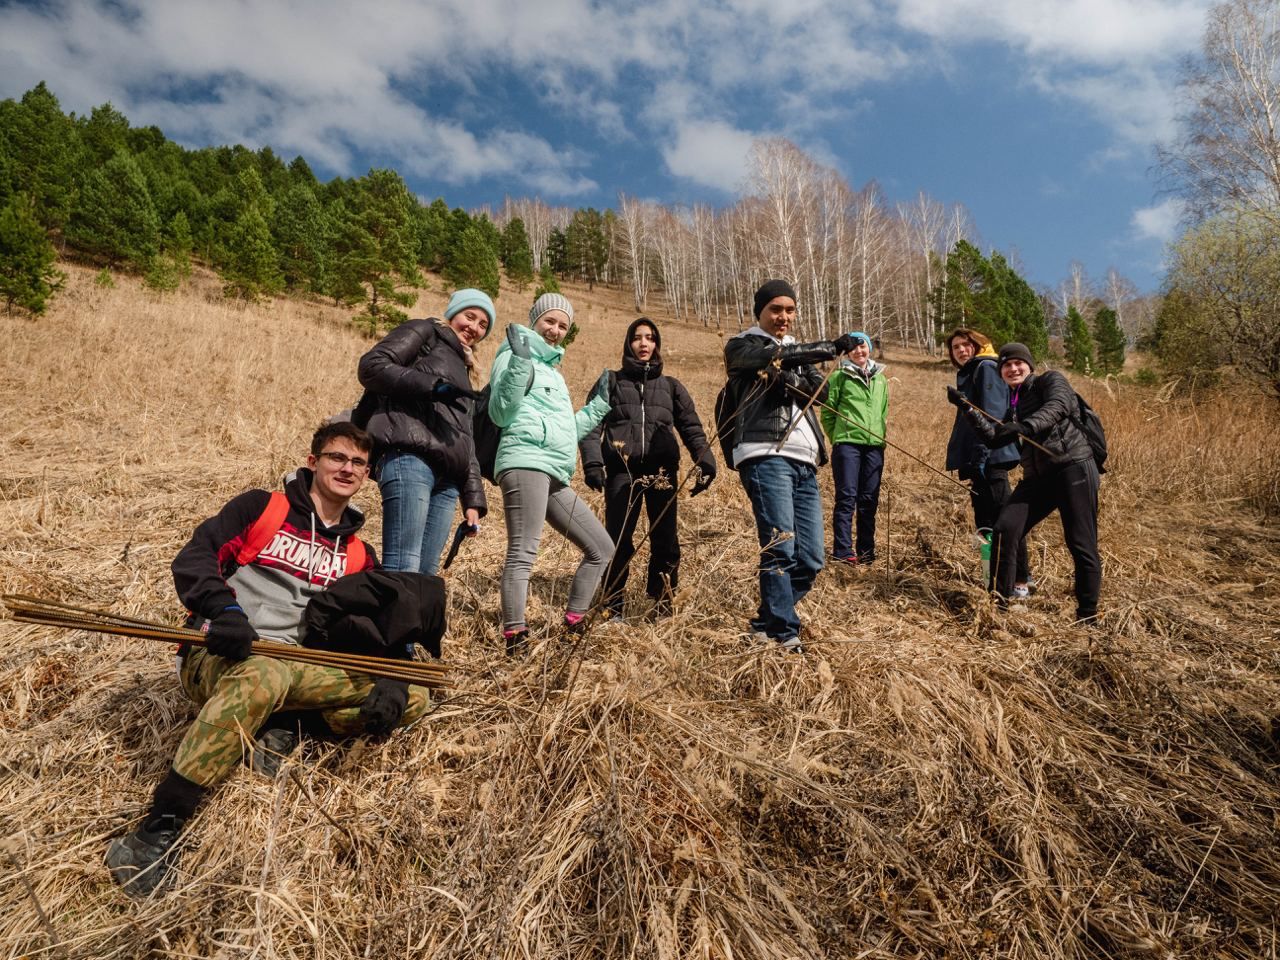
pixel 1040 116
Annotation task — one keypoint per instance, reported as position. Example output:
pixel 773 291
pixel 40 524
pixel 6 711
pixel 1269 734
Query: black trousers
pixel 990 491
pixel 623 498
pixel 1073 492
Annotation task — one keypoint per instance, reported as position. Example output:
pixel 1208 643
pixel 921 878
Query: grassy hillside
pixel 931 780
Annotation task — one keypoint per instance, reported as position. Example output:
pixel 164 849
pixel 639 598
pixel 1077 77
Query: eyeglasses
pixel 340 460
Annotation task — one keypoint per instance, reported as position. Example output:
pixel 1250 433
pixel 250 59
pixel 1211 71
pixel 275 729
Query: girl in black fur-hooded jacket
pixel 633 457
pixel 1058 473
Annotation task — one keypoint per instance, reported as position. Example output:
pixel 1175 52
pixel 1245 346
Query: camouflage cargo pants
pixel 236 697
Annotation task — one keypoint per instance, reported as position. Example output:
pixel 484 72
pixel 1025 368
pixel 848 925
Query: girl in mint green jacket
pixel 537 456
pixel 854 421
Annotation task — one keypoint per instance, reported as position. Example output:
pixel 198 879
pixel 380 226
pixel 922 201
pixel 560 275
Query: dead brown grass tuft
pixel 931 780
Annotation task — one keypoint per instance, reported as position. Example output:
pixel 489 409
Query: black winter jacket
pixel 646 411
pixel 1047 404
pixel 764 405
pixel 401 369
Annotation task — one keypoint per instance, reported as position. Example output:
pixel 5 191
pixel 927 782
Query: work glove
pixel 846 342
pixel 519 346
pixel 451 395
pixel 354 632
pixel 706 468
pixel 230 635
pixel 956 398
pixel 601 389
pixel 383 708
pixel 594 476
pixel 1009 432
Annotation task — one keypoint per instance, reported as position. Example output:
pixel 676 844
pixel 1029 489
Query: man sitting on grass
pixel 249 572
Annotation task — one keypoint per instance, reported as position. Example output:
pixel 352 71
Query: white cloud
pixel 1160 222
pixel 1094 31
pixel 711 153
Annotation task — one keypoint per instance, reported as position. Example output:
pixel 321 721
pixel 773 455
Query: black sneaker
pixel 271 749
pixel 140 862
pixel 517 642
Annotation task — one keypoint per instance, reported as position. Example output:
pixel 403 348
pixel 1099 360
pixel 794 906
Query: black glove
pixel 447 393
pixel 384 706
pixel 956 398
pixel 594 476
pixel 601 389
pixel 517 343
pixel 1009 432
pixel 230 635
pixel 354 632
pixel 846 342
pixel 706 473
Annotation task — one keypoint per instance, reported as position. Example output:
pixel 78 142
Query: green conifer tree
pixel 42 151
pixel 178 239
pixel 474 262
pixel 377 249
pixel 302 238
pixel 28 277
pixel 1077 343
pixel 517 257
pixel 253 268
pixel 1110 341
pixel 432 229
pixel 114 216
pixel 546 282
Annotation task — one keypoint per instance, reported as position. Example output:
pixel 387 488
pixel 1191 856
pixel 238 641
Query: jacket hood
pixel 635 367
pixel 972 364
pixel 872 368
pixel 297 487
pixel 759 331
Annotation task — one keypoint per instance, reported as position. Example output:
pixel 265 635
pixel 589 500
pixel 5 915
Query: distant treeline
pixel 95 189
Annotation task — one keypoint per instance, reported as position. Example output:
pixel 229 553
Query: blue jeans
pixel 785 500
pixel 417 513
pixel 856 469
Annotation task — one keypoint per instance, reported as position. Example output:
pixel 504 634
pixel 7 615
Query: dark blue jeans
pixel 856 469
pixel 788 511
pixel 417 513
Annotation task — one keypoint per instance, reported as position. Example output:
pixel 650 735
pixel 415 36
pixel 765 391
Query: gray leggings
pixel 528 498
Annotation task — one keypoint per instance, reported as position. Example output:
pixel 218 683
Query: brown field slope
pixel 930 780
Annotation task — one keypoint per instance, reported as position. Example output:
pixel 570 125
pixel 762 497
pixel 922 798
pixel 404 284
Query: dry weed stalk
pixel 931 780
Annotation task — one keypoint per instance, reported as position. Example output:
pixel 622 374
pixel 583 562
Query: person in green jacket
pixel 854 420
pixel 537 455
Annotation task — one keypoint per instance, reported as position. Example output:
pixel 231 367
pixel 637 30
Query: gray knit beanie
pixel 550 301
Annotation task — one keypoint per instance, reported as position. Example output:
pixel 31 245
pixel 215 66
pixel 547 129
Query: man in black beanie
pixel 771 435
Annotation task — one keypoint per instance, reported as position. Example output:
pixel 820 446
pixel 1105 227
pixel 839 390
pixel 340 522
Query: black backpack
pixel 726 413
pixel 486 434
pixel 1090 425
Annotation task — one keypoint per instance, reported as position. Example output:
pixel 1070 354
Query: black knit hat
pixel 770 290
pixel 1016 351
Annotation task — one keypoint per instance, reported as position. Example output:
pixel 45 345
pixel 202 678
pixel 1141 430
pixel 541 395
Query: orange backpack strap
pixel 356 555
pixel 263 529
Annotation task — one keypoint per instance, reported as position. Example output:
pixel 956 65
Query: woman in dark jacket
pixel 1058 473
pixel 987 471
pixel 634 458
pixel 420 374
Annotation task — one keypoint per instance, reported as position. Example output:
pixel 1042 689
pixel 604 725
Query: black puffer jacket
pixel 646 411
pixel 1047 404
pixel 402 368
pixel 765 405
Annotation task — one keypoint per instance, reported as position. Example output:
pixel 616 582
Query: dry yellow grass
pixel 930 780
